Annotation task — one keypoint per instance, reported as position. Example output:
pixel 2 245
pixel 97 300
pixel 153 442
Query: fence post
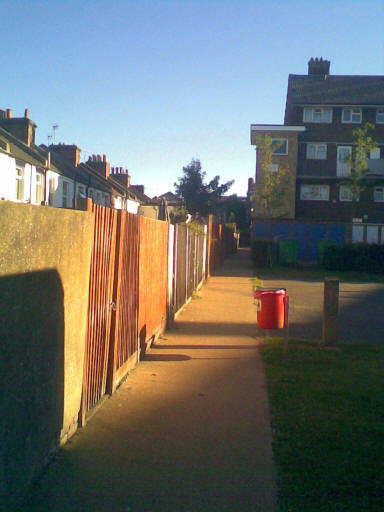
pixel 330 312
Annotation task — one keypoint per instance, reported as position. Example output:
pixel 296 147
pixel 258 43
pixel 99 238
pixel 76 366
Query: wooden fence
pixel 189 264
pixel 137 270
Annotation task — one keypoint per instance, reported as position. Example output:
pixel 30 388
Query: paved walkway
pixel 189 429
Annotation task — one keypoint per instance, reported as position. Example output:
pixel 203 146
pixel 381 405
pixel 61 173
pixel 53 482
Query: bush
pixel 263 253
pixel 364 257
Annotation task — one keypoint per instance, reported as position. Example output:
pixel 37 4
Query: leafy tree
pixel 363 144
pixel 233 209
pixel 199 196
pixel 272 185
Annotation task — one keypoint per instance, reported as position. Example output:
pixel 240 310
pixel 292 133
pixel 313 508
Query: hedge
pixel 364 257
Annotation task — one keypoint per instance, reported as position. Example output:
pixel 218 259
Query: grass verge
pixel 328 426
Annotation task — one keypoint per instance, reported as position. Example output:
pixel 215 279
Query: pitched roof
pixel 336 89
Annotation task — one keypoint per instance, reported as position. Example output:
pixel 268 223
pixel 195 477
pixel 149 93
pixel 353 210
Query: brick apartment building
pixel 316 139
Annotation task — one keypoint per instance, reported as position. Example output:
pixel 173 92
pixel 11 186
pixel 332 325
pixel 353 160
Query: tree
pixel 272 184
pixel 363 144
pixel 199 196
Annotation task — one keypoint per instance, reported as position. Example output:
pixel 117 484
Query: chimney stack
pixel 69 152
pixel 100 164
pixel 20 127
pixel 318 66
pixel 26 113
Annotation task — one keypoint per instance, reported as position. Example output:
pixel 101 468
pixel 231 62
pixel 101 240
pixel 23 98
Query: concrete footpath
pixel 189 429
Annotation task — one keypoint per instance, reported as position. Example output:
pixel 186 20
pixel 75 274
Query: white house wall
pixel 132 206
pixel 8 180
pixel 7 177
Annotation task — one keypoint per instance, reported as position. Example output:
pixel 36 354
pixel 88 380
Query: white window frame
pixel 354 111
pixel 343 168
pixel 282 145
pixel 310 114
pixel 378 194
pixel 51 191
pixel 273 168
pixel 20 182
pixel 314 151
pixel 39 189
pixel 380 116
pixel 308 192
pixel 66 186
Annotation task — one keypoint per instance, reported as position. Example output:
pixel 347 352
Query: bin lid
pixel 269 291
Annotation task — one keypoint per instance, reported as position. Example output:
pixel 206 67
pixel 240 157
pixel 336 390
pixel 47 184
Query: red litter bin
pixel 272 308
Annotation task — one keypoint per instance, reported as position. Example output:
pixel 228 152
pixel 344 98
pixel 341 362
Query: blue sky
pixel 154 84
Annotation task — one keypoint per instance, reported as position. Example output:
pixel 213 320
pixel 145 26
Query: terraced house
pixel 315 145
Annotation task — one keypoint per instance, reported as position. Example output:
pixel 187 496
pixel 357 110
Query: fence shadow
pixel 31 377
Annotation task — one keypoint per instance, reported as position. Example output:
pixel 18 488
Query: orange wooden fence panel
pixel 153 274
pixel 124 330
pixel 99 307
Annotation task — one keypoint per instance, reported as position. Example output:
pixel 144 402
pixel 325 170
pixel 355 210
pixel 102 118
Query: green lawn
pixel 316 274
pixel 328 426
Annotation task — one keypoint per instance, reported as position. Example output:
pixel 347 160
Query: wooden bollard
pixel 331 312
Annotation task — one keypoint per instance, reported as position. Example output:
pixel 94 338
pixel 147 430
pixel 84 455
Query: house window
pixel 280 146
pixel 19 182
pixel 314 192
pixel 106 200
pixel 374 154
pixel 351 115
pixel 273 168
pixel 317 115
pixel 65 194
pixel 81 191
pixel 380 115
pixel 378 194
pixel 51 191
pixel 316 151
pixel 344 154
pixel 39 188
pixel 347 194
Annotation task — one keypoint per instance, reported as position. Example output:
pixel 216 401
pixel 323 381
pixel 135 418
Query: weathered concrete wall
pixel 44 275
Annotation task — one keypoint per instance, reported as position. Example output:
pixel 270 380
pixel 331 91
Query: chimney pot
pixel 104 158
pixel 98 158
pixel 9 113
pixel 26 113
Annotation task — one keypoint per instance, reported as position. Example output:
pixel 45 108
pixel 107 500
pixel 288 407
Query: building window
pixel 380 115
pixel 280 146
pixel 316 151
pixel 378 194
pixel 20 182
pixel 51 191
pixel 344 155
pixel 107 202
pixel 314 192
pixel 273 168
pixel 65 194
pixel 346 194
pixel 39 188
pixel 81 191
pixel 351 115
pixel 317 115
pixel 374 154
